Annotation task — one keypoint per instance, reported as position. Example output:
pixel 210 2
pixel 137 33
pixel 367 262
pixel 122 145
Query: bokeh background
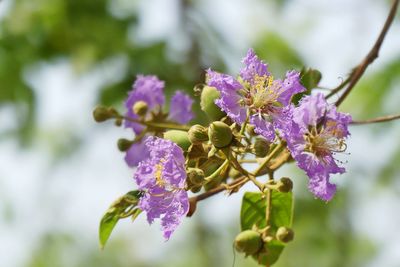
pixel 59 170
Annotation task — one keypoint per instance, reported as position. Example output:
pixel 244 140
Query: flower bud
pixel 207 103
pixel 101 113
pixel 220 134
pixel 124 144
pixel 284 234
pixel 285 185
pixel 196 176
pixel 179 137
pixel 198 134
pixel 140 108
pixel 261 147
pixel 248 241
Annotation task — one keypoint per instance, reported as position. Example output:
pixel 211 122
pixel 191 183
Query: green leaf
pixel 121 208
pixel 253 214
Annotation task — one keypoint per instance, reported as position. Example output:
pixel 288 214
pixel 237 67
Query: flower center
pixel 325 140
pixel 261 96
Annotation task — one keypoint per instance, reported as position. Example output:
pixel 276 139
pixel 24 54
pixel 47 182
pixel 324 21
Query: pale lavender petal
pixel 310 110
pixel 229 103
pixel 223 82
pixel 253 67
pixel 290 86
pixel 136 153
pixel 148 89
pixel 181 108
pixel 320 186
pixel 263 127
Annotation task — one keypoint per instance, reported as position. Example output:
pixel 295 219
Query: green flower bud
pixel 198 134
pixel 124 144
pixel 285 185
pixel 261 147
pixel 181 138
pixel 284 234
pixel 207 103
pixel 140 108
pixel 196 176
pixel 249 242
pixel 101 113
pixel 220 134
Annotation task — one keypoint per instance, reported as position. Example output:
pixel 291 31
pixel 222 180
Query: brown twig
pixel 371 56
pixel 377 120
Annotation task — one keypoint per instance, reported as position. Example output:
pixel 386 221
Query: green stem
pixel 268 159
pixel 160 125
pixel 239 167
pixel 269 200
pixel 217 172
pixel 245 122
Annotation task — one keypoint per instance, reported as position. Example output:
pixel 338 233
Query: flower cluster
pixel 190 158
pixel 162 177
pixel 149 91
pixel 314 130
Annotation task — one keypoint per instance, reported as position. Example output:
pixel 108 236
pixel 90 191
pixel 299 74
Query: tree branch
pixel 371 56
pixel 377 120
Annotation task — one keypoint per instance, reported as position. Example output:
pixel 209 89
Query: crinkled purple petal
pixel 263 127
pixel 223 82
pixel 290 86
pixel 136 153
pixel 148 89
pixel 310 110
pixel 253 67
pixel 320 186
pixel 181 108
pixel 162 176
pixel 229 103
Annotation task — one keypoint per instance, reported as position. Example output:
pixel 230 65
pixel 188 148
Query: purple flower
pixel 256 91
pixel 148 89
pixel 317 133
pixel 180 110
pixel 151 90
pixel 162 177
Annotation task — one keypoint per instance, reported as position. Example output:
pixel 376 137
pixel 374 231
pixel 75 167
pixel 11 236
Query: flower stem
pixel 371 56
pixel 376 120
pixel 160 125
pixel 269 200
pixel 268 158
pixel 217 172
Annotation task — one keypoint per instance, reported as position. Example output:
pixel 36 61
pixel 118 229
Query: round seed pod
pixel 140 108
pixel 198 134
pixel 284 234
pixel 248 242
pixel 220 134
pixel 207 103
pixel 181 138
